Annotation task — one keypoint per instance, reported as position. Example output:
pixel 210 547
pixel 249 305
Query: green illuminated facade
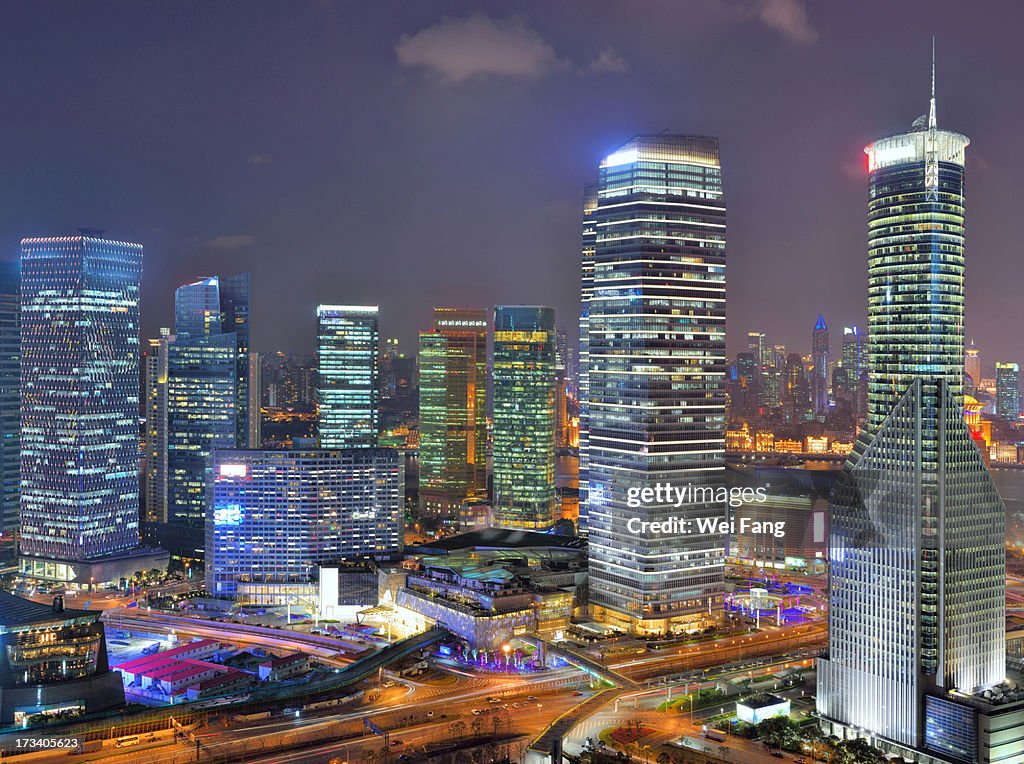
pixel 348 341
pixel 524 416
pixel 453 411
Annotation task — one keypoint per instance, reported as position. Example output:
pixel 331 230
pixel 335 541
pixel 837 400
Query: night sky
pixel 414 154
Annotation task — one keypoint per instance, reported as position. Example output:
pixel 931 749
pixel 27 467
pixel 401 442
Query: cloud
pixel 788 17
pixel 259 159
pixel 458 50
pixel 230 241
pixel 608 60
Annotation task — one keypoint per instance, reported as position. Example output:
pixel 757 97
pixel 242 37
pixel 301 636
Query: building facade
pixel 10 395
pixel 453 411
pixel 79 404
pixel 917 562
pixel 524 416
pixel 656 367
pixel 820 371
pixel 1008 391
pixel 348 392
pixel 275 516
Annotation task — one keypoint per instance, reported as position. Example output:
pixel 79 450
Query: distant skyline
pixel 435 154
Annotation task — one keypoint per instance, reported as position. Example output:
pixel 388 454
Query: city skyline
pixel 809 141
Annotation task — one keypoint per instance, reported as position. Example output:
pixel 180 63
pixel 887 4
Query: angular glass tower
pixel 79 400
pixel 524 416
pixel 917 562
pixel 453 410
pixel 348 341
pixel 1007 391
pixel 655 369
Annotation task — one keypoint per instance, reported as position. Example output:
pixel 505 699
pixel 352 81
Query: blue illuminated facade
pixel 79 401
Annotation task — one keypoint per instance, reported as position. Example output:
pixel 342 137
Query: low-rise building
pixel 285 667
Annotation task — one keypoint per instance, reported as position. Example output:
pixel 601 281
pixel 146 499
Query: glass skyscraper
pixel 1007 391
pixel 348 393
pixel 524 416
pixel 656 366
pixel 820 357
pixel 917 562
pixel 10 395
pixel 453 411
pixel 79 401
pixel 207 393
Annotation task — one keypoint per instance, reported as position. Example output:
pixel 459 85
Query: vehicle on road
pixel 128 740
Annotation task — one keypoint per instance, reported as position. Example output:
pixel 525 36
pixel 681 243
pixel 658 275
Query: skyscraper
pixel 524 416
pixel 586 287
pixel 348 391
pixel 1007 391
pixel 10 395
pixel 655 361
pixel 820 359
pixel 917 563
pixel 453 411
pixel 155 391
pixel 80 408
pixel 208 373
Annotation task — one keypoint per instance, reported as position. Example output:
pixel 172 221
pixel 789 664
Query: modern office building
pixel 1008 391
pixel 154 507
pixel 453 411
pixel 275 516
pixel 855 357
pixel 972 365
pixel 208 391
pixel 656 367
pixel 757 343
pixel 586 287
pixel 524 417
pixel 820 372
pixel 917 562
pixel 348 340
pixel 80 409
pixel 10 395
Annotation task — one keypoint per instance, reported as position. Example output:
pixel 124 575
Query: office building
pixel 154 507
pixel 209 397
pixel 1007 392
pixel 819 372
pixel 757 343
pixel 10 395
pixel 276 516
pixel 917 563
pixel 524 416
pixel 656 366
pixel 80 409
pixel 453 411
pixel 588 241
pixel 348 338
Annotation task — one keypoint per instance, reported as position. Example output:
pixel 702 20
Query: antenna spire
pixel 931 108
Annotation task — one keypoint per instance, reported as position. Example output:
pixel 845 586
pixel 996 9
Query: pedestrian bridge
pixel 582 662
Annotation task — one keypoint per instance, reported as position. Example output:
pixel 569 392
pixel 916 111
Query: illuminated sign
pixel 234 470
pixel 228 514
pixel 626 156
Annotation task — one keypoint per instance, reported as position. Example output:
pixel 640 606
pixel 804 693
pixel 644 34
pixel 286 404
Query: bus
pixel 129 740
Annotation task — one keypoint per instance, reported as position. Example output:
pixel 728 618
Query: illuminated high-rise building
pixel 819 372
pixel 80 408
pixel 757 343
pixel 1007 391
pixel 972 365
pixel 348 391
pixel 10 395
pixel 154 506
pixel 917 562
pixel 524 416
pixel 453 411
pixel 208 397
pixel 586 287
pixel 656 367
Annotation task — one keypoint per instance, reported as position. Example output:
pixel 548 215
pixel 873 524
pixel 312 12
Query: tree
pixel 477 725
pixel 457 728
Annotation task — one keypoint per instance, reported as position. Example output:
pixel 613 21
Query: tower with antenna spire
pixel 917 559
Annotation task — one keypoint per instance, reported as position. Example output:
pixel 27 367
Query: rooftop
pixel 16 611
